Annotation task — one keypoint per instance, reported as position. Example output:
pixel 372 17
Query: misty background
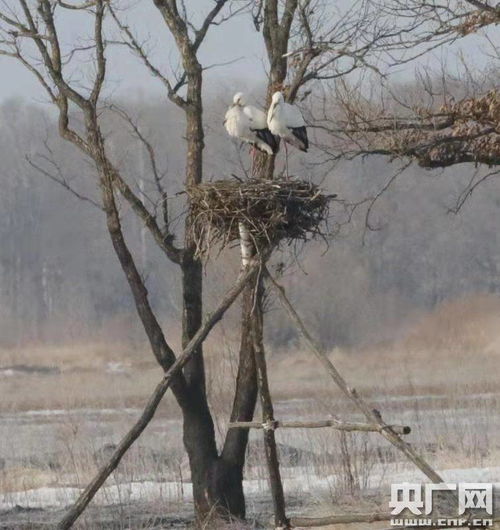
pixel 60 281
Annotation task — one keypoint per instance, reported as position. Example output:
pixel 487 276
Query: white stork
pixel 286 121
pixel 249 124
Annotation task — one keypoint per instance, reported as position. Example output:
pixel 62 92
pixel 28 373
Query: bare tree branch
pixel 83 5
pixel 62 181
pixel 132 43
pixel 100 58
pixel 168 237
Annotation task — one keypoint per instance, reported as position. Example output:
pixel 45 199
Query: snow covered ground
pixel 147 491
pixel 47 456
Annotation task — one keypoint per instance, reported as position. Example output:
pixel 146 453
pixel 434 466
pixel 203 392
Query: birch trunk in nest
pixel 246 245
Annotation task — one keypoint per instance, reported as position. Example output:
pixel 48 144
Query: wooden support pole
pixel 280 519
pixel 89 492
pixel 373 416
pixel 335 424
pixel 307 522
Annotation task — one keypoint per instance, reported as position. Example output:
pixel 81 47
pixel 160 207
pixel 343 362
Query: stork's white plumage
pixel 249 124
pixel 286 121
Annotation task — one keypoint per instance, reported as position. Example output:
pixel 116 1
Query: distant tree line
pixel 59 279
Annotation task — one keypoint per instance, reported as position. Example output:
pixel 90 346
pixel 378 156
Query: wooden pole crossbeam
pixel 335 424
pixel 307 522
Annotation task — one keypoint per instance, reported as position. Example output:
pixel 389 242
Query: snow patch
pixel 124 493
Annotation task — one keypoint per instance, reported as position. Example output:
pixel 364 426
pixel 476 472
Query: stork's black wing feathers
pixel 268 137
pixel 301 134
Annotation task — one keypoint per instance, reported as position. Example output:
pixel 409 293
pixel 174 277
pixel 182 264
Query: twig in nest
pixel 272 211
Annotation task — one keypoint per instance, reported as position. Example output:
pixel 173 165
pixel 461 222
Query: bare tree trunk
pixel 234 450
pixel 142 228
pixel 198 426
pixel 199 441
pixel 218 481
pixel 228 475
pixel 232 461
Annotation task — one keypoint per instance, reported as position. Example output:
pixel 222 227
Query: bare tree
pixel 305 42
pixel 448 120
pixel 40 26
pixel 456 132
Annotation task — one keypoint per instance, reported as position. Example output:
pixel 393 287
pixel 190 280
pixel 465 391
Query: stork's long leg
pixel 252 150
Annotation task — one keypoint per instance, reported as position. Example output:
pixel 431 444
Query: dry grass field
pixel 64 407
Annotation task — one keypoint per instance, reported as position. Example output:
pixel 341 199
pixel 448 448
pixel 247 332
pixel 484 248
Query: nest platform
pixel 271 210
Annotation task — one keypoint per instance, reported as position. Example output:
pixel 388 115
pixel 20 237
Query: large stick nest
pixel 270 210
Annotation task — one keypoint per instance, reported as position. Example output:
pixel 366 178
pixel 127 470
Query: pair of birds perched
pixel 251 125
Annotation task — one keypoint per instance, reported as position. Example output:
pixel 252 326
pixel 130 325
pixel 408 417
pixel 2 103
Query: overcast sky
pixel 237 43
